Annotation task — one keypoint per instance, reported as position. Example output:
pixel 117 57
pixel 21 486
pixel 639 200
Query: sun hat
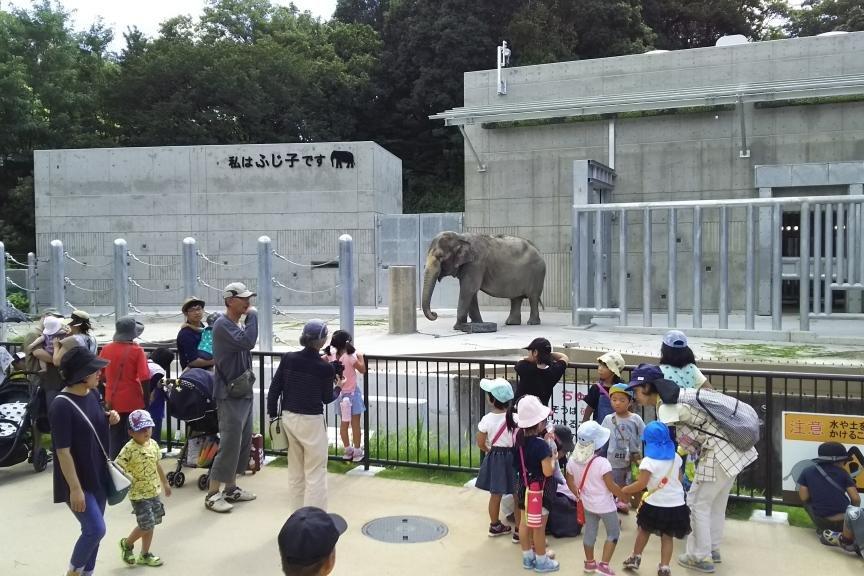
pixel 309 535
pixel 79 317
pixel 237 290
pixel 540 345
pixel 139 420
pixel 315 329
pixel 620 388
pixel 564 436
pixel 500 388
pixel 658 442
pixel 590 437
pixel 643 374
pixel 832 452
pixel 79 363
pixel 614 361
pixel 189 302
pixel 530 412
pixel 51 325
pixel 127 328
pixel 675 339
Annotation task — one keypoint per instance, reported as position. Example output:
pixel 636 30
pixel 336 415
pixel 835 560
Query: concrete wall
pixel 154 197
pixel 527 188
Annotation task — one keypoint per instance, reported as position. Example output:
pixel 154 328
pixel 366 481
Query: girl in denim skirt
pixel 495 440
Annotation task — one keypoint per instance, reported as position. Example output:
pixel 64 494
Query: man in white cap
pixel 233 390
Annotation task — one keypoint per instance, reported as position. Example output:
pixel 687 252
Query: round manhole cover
pixel 405 529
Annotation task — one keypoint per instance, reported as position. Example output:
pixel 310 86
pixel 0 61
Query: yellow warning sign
pixel 824 428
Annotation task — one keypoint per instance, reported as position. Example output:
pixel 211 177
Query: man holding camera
pixel 303 383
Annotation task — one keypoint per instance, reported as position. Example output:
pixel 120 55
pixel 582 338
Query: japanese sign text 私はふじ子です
pixel 338 159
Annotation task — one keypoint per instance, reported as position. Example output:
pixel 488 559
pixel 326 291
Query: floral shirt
pixel 140 462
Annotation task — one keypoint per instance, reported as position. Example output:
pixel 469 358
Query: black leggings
pixel 118 435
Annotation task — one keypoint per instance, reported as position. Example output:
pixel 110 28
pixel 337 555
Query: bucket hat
pixel 658 442
pixel 530 412
pixel 590 437
pixel 500 388
pixel 614 361
pixel 79 318
pixel 51 325
pixel 189 302
pixel 127 329
pixel 79 363
pixel 139 420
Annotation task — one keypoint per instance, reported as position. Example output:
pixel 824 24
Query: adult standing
pixel 232 389
pixel 189 336
pixel 79 432
pixel 540 371
pixel 79 335
pixel 719 462
pixel 49 381
pixel 303 383
pixel 127 378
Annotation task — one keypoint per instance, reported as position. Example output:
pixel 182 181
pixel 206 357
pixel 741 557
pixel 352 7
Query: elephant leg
pixel 534 318
pixel 465 298
pixel 515 317
pixel 474 310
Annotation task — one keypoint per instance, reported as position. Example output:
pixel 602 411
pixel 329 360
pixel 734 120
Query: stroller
pixel 19 403
pixel 190 399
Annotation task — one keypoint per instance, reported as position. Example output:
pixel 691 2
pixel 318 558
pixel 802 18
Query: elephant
pixel 501 266
pixel 338 157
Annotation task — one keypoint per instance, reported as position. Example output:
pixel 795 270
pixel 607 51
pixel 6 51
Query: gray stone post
pixel 3 302
pixel 853 297
pixel 265 294
pixel 190 268
pixel 346 280
pixel 763 268
pixel 121 279
pixel 58 277
pixel 31 281
pixel 402 309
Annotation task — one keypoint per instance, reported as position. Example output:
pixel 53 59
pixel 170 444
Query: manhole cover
pixel 405 529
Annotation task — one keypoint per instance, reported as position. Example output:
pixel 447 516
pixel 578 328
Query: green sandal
pixel 149 559
pixel 127 552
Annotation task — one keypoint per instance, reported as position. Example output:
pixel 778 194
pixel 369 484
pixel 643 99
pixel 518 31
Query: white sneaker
pixel 237 494
pixel 358 455
pixel 217 503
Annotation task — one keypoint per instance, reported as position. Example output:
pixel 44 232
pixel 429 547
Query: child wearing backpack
pixel 599 403
pixel 625 442
pixel 495 440
pixel 663 511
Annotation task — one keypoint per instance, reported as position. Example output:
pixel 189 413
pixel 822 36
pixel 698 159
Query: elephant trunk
pixel 430 276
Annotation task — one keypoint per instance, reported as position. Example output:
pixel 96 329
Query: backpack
pixel 738 420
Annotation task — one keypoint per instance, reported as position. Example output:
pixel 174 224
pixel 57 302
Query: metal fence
pixel 423 411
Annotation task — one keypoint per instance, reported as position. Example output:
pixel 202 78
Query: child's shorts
pixel 356 398
pixel 148 512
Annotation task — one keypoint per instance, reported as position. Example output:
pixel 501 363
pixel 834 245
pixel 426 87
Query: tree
pixel 369 12
pixel 820 16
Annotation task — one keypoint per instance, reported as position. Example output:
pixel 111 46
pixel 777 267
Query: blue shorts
pixel 356 398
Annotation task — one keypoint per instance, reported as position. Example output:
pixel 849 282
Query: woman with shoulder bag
pixel 80 478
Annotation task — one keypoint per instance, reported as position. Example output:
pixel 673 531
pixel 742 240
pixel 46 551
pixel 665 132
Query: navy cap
pixel 540 345
pixel 309 535
pixel 315 329
pixel 643 374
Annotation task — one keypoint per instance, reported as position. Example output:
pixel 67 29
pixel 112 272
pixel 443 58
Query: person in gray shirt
pixel 232 352
pixel 625 443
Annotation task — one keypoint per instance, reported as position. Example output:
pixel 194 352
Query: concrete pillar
pixel 265 294
pixel 190 268
pixel 403 299
pixel 31 281
pixel 3 303
pixel 853 297
pixel 58 277
pixel 121 279
pixel 346 280
pixel 763 276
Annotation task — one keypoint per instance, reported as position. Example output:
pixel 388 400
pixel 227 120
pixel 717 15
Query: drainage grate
pixel 405 529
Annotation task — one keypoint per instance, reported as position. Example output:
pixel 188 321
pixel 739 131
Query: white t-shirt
pixel 490 424
pixel 670 495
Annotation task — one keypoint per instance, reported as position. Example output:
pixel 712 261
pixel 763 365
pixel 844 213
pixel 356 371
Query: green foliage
pixel 819 16
pixel 17 219
pixel 19 300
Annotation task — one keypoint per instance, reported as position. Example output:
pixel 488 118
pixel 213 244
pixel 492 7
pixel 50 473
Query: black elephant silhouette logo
pixel 340 157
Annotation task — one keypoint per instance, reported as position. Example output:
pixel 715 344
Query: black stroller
pixel 19 404
pixel 190 399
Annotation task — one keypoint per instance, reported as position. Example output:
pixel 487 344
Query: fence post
pixel 769 457
pixel 346 279
pixel 121 279
pixel 265 294
pixel 58 277
pixel 31 281
pixel 3 303
pixel 190 268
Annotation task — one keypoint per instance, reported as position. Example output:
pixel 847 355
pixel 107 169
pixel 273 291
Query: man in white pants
pixel 303 383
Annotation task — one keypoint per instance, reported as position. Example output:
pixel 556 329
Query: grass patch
pixel 425 475
pixel 738 510
pixel 790 352
pixel 332 466
pixel 413 445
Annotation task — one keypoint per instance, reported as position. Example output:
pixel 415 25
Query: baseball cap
pixel 194 301
pixel 237 290
pixel 498 387
pixel 620 389
pixel 315 329
pixel 675 339
pixel 139 420
pixel 614 361
pixel 51 325
pixel 643 374
pixel 564 436
pixel 309 535
pixel 832 452
pixel 540 345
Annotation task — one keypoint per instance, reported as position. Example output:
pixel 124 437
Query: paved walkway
pixel 36 536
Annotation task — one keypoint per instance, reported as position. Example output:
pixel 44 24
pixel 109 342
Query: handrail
pixel 737 202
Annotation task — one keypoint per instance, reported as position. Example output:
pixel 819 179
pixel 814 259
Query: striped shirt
pixel 303 382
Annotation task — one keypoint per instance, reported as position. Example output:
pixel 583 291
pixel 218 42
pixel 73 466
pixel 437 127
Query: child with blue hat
pixel 495 439
pixel 663 510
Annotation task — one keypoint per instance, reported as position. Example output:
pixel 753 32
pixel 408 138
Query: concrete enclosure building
pixel 304 196
pixel 683 125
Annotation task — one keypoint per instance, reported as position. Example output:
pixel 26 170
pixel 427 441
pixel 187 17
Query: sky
pixel 146 15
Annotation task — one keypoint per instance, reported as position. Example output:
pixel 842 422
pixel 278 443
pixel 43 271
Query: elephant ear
pixel 462 253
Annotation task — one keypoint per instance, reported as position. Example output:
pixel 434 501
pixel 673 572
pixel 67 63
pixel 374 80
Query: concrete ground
pixel 36 536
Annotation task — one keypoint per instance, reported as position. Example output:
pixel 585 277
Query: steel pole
pixel 622 267
pixel 121 279
pixel 346 279
pixel 723 308
pixel 190 268
pixel 31 282
pixel 646 268
pixel 697 267
pixel 750 266
pixel 804 269
pixel 776 268
pixel 265 294
pixel 58 277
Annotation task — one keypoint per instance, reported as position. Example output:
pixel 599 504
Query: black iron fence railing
pixel 423 411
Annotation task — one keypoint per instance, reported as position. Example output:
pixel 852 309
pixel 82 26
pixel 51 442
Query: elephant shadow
pixel 340 157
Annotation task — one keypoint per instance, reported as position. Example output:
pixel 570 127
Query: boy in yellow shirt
pixel 139 458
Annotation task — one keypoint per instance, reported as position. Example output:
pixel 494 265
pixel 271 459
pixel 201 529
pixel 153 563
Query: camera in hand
pixel 338 367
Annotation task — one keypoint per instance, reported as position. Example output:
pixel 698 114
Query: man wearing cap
pixel 307 542
pixel 827 489
pixel 127 378
pixel 189 336
pixel 303 383
pixel 719 463
pixel 232 351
